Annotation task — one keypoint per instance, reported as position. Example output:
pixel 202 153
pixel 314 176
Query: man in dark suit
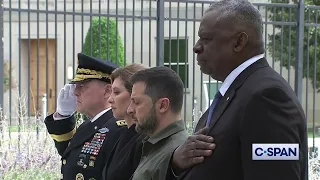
pixel 85 150
pixel 254 104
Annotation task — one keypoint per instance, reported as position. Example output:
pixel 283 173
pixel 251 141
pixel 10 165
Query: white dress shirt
pixel 235 73
pixel 92 120
pixel 99 114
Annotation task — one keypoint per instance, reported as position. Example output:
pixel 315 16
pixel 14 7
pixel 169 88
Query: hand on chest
pixel 228 122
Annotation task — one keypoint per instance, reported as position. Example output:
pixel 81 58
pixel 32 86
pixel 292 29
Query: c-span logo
pixel 275 151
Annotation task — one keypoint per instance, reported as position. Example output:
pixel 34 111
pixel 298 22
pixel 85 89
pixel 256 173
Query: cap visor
pixel 81 81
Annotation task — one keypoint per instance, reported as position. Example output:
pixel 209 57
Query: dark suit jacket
pixel 84 151
pixel 125 155
pixel 259 107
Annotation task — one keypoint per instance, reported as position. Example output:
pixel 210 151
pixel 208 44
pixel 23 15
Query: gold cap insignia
pixel 83 74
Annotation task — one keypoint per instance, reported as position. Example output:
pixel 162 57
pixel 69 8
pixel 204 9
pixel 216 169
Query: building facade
pixel 42 44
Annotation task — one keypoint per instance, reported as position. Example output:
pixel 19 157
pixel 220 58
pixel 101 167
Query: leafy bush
pixel 6 75
pixel 282 45
pixel 104 41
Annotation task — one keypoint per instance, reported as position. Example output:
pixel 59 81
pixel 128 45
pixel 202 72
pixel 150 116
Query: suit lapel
pixel 221 107
pixel 202 121
pixel 87 131
pixel 230 94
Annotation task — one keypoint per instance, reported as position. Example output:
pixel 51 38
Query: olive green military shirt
pixel 157 151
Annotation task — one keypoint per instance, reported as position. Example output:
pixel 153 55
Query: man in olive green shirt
pixel 156 103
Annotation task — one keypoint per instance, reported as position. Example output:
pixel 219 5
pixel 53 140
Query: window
pixel 176 57
pixel 210 89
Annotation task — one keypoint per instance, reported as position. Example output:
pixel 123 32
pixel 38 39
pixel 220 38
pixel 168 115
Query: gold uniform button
pixel 79 176
pixel 64 162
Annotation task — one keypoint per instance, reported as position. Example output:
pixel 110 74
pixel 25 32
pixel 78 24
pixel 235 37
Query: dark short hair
pixel 240 11
pixel 124 73
pixel 162 82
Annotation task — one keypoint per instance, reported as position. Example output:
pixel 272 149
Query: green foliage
pixel 102 41
pixel 6 76
pixel 282 44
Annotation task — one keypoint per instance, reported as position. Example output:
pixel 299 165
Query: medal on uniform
pixel 79 176
pixel 80 163
pixel 103 130
pixel 91 163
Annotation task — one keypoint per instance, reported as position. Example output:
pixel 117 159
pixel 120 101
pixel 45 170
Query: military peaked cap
pixel 93 68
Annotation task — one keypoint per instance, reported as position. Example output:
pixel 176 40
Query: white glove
pixel 67 101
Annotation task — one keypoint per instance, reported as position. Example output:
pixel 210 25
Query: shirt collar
pixel 235 73
pixel 166 132
pixel 99 114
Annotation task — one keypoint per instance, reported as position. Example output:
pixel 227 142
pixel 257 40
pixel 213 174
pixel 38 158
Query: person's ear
pixel 241 40
pixel 108 90
pixel 163 105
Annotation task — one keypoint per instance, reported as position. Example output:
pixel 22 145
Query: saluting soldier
pixel 86 149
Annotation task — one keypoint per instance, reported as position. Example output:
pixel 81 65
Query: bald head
pixel 230 33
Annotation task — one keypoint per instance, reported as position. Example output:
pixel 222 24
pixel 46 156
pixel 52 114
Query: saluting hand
pixel 67 101
pixel 192 151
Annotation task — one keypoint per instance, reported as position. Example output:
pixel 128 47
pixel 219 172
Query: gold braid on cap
pixel 89 74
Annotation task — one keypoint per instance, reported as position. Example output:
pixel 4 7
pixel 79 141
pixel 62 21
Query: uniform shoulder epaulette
pixel 121 123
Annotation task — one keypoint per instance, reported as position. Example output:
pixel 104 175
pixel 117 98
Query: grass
pixel 310 134
pixel 15 128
